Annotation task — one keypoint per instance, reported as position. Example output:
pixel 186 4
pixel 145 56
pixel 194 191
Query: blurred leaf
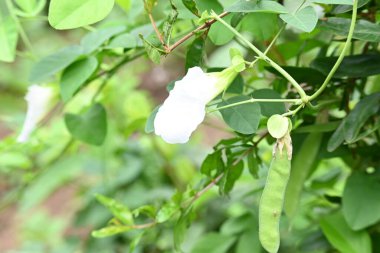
pixel 257 6
pixel 301 74
pixel 269 109
pixel 75 75
pixel 237 85
pixel 71 14
pixel 349 68
pixel 195 53
pixel 52 64
pixel 125 40
pixel 152 51
pixel 364 30
pixel 348 2
pixel 168 25
pixel 219 34
pixel 27 5
pixel 8 38
pixel 318 128
pixel 209 5
pixel 244 118
pixel 232 174
pixel 213 243
pixel 342 237
pixel 237 18
pixel 94 40
pixel 110 231
pixel 305 19
pixel 149 4
pixel 191 5
pixel 124 4
pixel 302 165
pixel 180 228
pixel 120 211
pixel 149 126
pixel 346 8
pixel 253 165
pixel 166 212
pixel 213 162
pixel 356 119
pixel 262 26
pixel 337 138
pixel 360 202
pixel 89 127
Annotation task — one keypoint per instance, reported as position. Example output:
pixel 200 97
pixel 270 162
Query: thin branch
pixel 159 35
pixel 192 33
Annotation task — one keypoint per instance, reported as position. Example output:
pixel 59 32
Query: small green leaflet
pixel 305 19
pixel 74 76
pixel 191 5
pixel 269 109
pixel 348 2
pixel 152 51
pixel 120 211
pixel 94 40
pixel 359 211
pixel 69 14
pixel 244 118
pixel 195 53
pixel 89 127
pixel 8 39
pixel 257 6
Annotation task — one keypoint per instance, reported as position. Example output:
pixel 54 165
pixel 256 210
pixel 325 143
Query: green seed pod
pixel 271 203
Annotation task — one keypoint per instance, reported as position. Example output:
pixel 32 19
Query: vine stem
pixel 295 84
pixel 257 100
pixel 342 54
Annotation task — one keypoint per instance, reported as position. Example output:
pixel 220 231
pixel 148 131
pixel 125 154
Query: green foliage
pixel 165 198
pixel 76 13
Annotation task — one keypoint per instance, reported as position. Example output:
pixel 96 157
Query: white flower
pixel 185 108
pixel 38 99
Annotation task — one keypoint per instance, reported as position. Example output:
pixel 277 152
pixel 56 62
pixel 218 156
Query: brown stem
pixel 189 35
pixel 159 35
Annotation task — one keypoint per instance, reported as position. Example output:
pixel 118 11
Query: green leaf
pixel 110 231
pixel 278 126
pixel 346 8
pixel 166 212
pixel 168 25
pixel 302 165
pixel 120 211
pixel 349 68
pixel 191 5
pixel 237 85
pixel 149 126
pixel 152 51
pixel 213 243
pixel 8 39
pixel 54 63
pixel 262 26
pixel 89 127
pixel 149 5
pixel 232 174
pixel 257 6
pixel 27 5
pixel 305 19
pixel 336 139
pixel 94 40
pixel 360 202
pixel 253 165
pixel 124 4
pixel 342 237
pixel 69 14
pixel 348 2
pixel 219 34
pixel 195 53
pixel 180 228
pixel 366 108
pixel 364 30
pixel 269 109
pixel 244 118
pixel 213 162
pixel 237 60
pixel 125 40
pixel 301 74
pixel 74 76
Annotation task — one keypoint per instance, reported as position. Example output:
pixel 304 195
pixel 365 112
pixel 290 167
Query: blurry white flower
pixel 185 108
pixel 38 99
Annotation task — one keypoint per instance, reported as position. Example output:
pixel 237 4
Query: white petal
pixel 38 99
